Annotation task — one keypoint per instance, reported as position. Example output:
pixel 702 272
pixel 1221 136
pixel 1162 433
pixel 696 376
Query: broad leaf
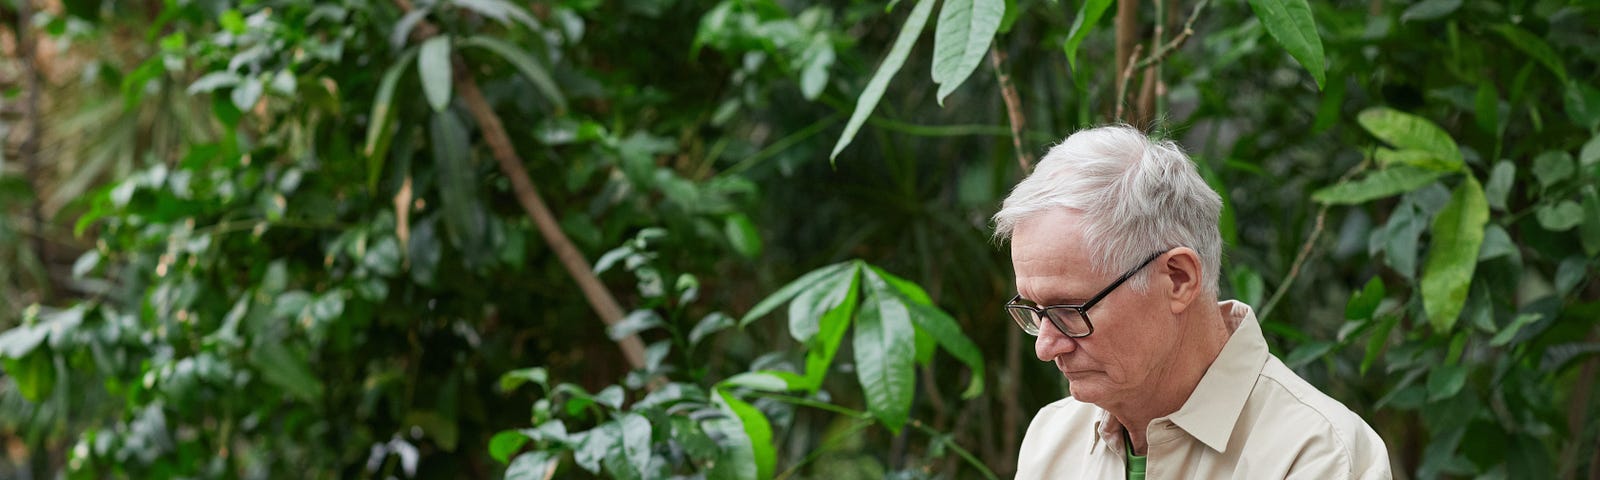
pixel 531 466
pixel 433 64
pixel 1500 182
pixel 962 37
pixel 808 308
pixel 1375 185
pixel 525 63
pixel 1410 132
pixel 1457 235
pixel 936 323
pixel 1290 23
pixel 880 79
pixel 636 442
pixel 1089 14
pixel 287 369
pixel 825 344
pixel 1429 10
pixel 1364 303
pixel 458 182
pixel 884 351
pixel 1446 381
pixel 1552 167
pixel 792 289
pixel 1534 47
pixel 756 428
pixel 505 443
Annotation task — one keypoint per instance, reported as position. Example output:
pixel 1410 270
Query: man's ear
pixel 1181 268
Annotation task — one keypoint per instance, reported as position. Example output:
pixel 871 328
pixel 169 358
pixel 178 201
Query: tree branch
pixel 29 150
pixel 494 133
pixel 1122 81
pixel 1008 92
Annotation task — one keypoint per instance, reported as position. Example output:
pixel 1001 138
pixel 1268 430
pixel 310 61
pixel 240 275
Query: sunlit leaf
pixel 884 353
pixel 533 465
pixel 1089 13
pixel 928 318
pixel 1375 185
pixel 807 309
pixel 1290 23
pixel 880 79
pixel 966 27
pixel 1457 235
pixel 433 64
pixel 792 289
pixel 1410 132
pixel 763 457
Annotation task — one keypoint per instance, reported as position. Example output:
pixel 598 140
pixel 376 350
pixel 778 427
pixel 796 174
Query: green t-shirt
pixel 1135 462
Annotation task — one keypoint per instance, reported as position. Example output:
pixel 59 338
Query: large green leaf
pixel 880 79
pixel 287 369
pixel 636 442
pixel 830 334
pixel 808 308
pixel 1457 235
pixel 1291 24
pixel 1535 47
pixel 1410 132
pixel 524 63
pixel 1089 14
pixel 762 456
pixel 531 466
pixel 928 318
pixel 458 182
pixel 433 64
pixel 792 289
pixel 962 37
pixel 378 132
pixel 1375 185
pixel 885 351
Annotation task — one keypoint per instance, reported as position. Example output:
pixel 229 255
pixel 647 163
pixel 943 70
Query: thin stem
pixel 1122 83
pixel 855 427
pixel 781 145
pixel 1294 269
pixel 1178 41
pixel 494 133
pixel 1008 93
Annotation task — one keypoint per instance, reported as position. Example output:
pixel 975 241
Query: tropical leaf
pixel 1290 23
pixel 880 79
pixel 966 27
pixel 1457 235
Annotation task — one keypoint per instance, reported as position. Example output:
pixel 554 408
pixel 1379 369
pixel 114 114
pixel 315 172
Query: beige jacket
pixel 1249 418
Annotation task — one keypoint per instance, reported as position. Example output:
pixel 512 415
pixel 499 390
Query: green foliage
pixel 274 250
pixel 1290 23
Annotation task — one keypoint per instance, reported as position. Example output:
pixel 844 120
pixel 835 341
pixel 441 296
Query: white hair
pixel 1137 197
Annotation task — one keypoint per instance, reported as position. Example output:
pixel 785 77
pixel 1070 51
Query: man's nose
pixel 1051 343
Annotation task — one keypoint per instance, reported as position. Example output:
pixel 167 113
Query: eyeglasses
pixel 1072 320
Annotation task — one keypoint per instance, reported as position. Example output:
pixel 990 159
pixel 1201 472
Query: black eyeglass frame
pixel 1081 309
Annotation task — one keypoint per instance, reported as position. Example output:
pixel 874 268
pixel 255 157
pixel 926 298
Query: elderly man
pixel 1115 244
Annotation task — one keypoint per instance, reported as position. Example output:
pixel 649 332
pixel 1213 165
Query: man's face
pixel 1134 333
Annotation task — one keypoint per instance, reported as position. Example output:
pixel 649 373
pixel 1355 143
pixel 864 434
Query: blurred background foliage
pixel 268 238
